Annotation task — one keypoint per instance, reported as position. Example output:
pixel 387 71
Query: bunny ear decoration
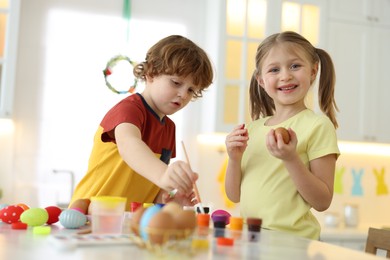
pixel 118 75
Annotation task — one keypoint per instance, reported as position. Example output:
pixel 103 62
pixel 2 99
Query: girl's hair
pixel 177 55
pixel 263 105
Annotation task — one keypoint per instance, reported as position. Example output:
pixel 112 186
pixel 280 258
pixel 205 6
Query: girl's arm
pixel 141 159
pixel 236 143
pixel 314 184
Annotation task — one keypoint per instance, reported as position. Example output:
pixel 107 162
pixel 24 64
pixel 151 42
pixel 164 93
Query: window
pixel 247 23
pixel 9 16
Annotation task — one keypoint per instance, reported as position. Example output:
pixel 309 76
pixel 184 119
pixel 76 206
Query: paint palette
pixel 75 240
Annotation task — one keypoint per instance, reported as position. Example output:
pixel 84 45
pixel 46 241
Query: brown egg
pixel 81 205
pixel 161 227
pixel 135 219
pixel 172 207
pixel 185 222
pixel 285 134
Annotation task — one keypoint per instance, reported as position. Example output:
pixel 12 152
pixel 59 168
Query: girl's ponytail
pixel 326 87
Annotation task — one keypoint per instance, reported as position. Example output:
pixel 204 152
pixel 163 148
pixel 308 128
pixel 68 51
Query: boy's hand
pixel 178 176
pixel 180 198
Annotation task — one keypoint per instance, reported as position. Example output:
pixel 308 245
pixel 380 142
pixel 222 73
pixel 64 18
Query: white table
pixel 23 244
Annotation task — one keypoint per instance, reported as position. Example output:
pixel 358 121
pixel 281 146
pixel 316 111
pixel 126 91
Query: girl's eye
pixel 295 66
pixel 274 70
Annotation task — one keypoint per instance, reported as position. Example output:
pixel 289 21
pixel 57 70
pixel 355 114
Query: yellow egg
pixel 161 227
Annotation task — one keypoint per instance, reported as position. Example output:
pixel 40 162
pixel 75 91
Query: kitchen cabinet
pixel 358 40
pixel 361 11
pixel 9 17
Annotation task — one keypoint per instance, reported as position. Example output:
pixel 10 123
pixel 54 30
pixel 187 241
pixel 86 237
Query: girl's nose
pixel 285 74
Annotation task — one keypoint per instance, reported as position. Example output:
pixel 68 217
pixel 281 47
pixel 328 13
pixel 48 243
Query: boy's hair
pixel 177 55
pixel 263 105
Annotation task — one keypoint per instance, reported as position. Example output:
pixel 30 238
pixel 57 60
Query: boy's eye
pixel 175 82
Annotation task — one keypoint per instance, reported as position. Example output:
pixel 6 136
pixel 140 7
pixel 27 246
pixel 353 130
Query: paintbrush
pixel 199 204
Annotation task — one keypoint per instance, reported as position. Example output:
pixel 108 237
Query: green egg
pixel 34 217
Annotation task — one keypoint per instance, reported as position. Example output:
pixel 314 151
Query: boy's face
pixel 167 94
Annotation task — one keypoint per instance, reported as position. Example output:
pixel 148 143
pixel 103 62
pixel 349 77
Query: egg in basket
pixel 163 227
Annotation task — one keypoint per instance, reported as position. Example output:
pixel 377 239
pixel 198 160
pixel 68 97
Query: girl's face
pixel 167 94
pixel 286 75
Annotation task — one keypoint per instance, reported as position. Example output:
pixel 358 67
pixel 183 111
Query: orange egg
pixel 23 206
pixel 161 227
pixel 285 134
pixel 81 205
pixel 135 220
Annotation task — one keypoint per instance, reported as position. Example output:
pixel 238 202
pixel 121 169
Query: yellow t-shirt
pixel 267 190
pixel 108 174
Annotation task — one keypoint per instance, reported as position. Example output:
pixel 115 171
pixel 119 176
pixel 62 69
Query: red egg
pixel 11 214
pixel 54 214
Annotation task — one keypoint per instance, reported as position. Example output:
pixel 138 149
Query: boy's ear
pixel 148 78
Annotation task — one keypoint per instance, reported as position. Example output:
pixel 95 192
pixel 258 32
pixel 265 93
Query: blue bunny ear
pixel 357 173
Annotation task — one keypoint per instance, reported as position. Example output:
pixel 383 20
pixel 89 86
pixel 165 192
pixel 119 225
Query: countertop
pixel 24 244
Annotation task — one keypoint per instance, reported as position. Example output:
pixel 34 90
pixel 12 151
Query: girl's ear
pixel 260 81
pixel 314 72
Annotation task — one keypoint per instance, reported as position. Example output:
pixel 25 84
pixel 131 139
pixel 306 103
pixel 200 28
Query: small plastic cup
pixel 107 214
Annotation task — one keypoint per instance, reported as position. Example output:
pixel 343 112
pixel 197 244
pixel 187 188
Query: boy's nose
pixel 182 93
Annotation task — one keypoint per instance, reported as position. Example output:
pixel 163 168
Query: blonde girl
pixel 276 181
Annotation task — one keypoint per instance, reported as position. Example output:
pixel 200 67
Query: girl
pixel 276 181
pixel 136 139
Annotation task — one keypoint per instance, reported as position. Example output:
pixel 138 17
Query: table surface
pixel 24 244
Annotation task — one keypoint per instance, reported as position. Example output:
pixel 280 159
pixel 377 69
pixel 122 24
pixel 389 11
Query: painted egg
pixel 34 217
pixel 72 219
pixel 23 206
pixel 148 214
pixel 54 214
pixel 11 214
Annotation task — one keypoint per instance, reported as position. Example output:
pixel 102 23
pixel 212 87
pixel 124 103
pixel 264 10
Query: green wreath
pixel 109 70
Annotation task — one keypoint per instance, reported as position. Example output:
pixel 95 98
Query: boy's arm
pixel 142 160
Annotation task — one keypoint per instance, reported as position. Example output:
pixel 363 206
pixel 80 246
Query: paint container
pixel 219 225
pixel 203 221
pixel 254 226
pixel 235 227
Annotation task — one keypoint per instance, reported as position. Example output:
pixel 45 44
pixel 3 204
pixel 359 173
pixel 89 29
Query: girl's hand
pixel 178 176
pixel 278 148
pixel 236 142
